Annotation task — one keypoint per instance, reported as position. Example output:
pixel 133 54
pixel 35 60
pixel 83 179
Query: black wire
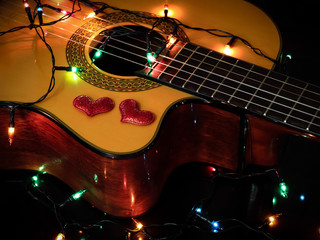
pixel 14 29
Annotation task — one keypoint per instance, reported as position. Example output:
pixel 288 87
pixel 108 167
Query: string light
pixel 166 10
pixel 35 181
pixel 198 210
pixel 28 11
pixel 79 194
pixel 283 190
pixel 215 226
pixel 272 220
pixel 90 15
pixel 40 12
pixel 98 54
pixel 11 128
pixel 274 201
pixel 151 58
pixel 228 47
pixel 64 12
pixel 60 236
pixel 69 69
pixel 171 40
pixel 139 225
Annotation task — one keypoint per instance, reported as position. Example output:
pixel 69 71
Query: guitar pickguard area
pixel 86 39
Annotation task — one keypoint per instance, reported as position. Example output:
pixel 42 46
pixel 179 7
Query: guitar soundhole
pixel 122 50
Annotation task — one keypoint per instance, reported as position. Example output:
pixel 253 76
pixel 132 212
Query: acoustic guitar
pixel 122 123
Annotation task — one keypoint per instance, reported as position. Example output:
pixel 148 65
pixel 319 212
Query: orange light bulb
pixel 171 41
pixel 139 225
pixel 227 50
pixel 60 236
pixel 11 131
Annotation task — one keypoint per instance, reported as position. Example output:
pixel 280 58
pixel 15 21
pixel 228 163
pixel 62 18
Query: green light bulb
pixel 283 190
pixel 78 195
pixel 98 54
pixel 151 57
pixel 35 180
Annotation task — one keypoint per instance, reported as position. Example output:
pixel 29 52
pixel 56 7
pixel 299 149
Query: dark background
pixel 298 23
pixel 27 214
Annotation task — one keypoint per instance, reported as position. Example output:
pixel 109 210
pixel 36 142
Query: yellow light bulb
pixel 60 236
pixel 171 41
pixel 272 220
pixel 227 50
pixel 90 15
pixel 139 225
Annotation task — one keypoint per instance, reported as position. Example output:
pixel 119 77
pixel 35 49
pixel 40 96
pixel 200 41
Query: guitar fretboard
pixel 215 76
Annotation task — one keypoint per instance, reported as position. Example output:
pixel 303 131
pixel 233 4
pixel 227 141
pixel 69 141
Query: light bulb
pixel 60 236
pixel 227 50
pixel 78 195
pixel 91 15
pixel 166 10
pixel 11 131
pixel 151 58
pixel 139 225
pixel 171 41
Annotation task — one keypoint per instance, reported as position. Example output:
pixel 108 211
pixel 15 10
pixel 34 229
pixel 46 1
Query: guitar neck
pixel 217 77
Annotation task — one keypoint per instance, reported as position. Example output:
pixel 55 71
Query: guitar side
pixel 122 166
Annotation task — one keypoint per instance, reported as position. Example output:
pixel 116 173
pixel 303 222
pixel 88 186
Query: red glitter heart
pixel 91 107
pixel 130 113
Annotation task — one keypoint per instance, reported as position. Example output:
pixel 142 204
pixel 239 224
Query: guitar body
pixel 124 166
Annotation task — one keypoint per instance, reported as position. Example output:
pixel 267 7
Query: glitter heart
pixel 93 107
pixel 130 113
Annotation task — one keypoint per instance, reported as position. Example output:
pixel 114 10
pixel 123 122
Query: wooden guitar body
pixel 124 166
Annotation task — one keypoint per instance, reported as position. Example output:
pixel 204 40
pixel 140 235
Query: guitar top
pixel 25 63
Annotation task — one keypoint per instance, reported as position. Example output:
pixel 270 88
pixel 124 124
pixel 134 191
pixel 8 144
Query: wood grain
pixel 121 185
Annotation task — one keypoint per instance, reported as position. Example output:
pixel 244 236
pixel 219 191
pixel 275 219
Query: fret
pixel 240 73
pixel 278 106
pixel 310 102
pixel 208 85
pixel 276 91
pixel 181 71
pixel 198 73
pixel 298 92
pixel 267 93
pixel 314 124
pixel 257 85
pixel 166 67
pixel 250 86
pixel 227 86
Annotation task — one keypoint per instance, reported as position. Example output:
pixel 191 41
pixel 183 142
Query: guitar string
pixel 284 90
pixel 258 73
pixel 221 61
pixel 244 100
pixel 300 119
pixel 222 92
pixel 160 63
pixel 234 96
pixel 116 24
